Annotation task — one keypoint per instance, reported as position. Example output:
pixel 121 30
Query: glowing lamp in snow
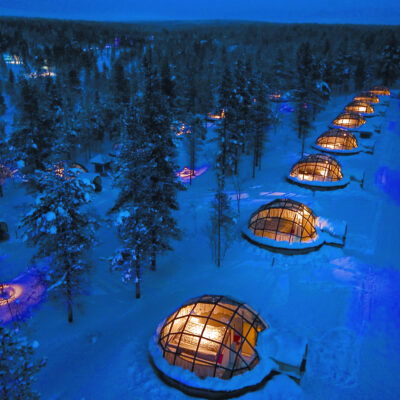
pixel 9 293
pixel 216 116
pixel 183 129
pixel 367 97
pixel 17 298
pixel 360 107
pixel 276 96
pixel 212 336
pixel 186 173
pixel 337 141
pixel 349 120
pixel 380 91
pixel 316 168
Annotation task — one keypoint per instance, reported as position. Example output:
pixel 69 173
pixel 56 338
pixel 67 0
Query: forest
pixel 119 96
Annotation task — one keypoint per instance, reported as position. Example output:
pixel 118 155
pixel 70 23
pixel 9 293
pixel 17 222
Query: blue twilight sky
pixel 323 11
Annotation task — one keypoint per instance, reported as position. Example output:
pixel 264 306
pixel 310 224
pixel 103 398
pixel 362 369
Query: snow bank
pixel 318 184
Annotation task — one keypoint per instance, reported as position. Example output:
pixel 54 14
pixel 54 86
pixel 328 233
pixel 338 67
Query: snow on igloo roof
pixel 212 336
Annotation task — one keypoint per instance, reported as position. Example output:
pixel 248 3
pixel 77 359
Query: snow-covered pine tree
pixel 303 95
pixel 133 205
pixel 260 116
pixel 59 229
pixel 360 73
pixel 23 142
pixel 18 366
pixel 168 84
pixel 389 66
pixel 222 222
pixel 133 229
pixel 194 139
pixel 242 106
pixel 226 146
pixel 161 169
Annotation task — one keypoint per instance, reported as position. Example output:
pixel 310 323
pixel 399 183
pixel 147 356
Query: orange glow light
pixel 9 293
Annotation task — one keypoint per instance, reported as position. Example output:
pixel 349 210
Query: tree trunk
pixel 219 232
pixel 236 160
pixel 1 190
pixel 137 278
pixel 69 298
pixel 254 164
pixel 153 264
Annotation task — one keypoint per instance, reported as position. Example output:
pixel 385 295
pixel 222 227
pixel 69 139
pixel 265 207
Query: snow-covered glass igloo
pixel 318 171
pixel 214 346
pixel 284 220
pixel 380 91
pixel 337 141
pixel 367 97
pixel 360 107
pixel 288 226
pixel 212 336
pixel 348 121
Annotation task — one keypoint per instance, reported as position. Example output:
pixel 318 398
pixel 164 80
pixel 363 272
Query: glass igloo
pixel 317 170
pixel 212 336
pixel 360 107
pixel 284 220
pixel 348 121
pixel 287 226
pixel 367 97
pixel 337 141
pixel 214 346
pixel 380 91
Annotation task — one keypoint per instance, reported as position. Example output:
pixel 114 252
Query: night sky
pixel 339 11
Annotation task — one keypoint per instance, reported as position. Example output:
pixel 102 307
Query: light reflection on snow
pixel 286 108
pixel 238 196
pixel 389 181
pixel 187 174
pixel 18 297
pixel 9 293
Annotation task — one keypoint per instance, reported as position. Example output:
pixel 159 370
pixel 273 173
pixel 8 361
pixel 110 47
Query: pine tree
pixel 260 118
pixel 360 73
pixel 161 169
pixel 226 146
pixel 59 229
pixel 243 104
pixel 222 222
pixel 389 66
pixel 194 139
pixel 168 83
pixel 18 366
pixel 135 215
pixel 24 141
pixel 304 95
pixel 3 107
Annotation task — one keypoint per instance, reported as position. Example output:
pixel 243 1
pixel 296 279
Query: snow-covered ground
pixel 342 301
